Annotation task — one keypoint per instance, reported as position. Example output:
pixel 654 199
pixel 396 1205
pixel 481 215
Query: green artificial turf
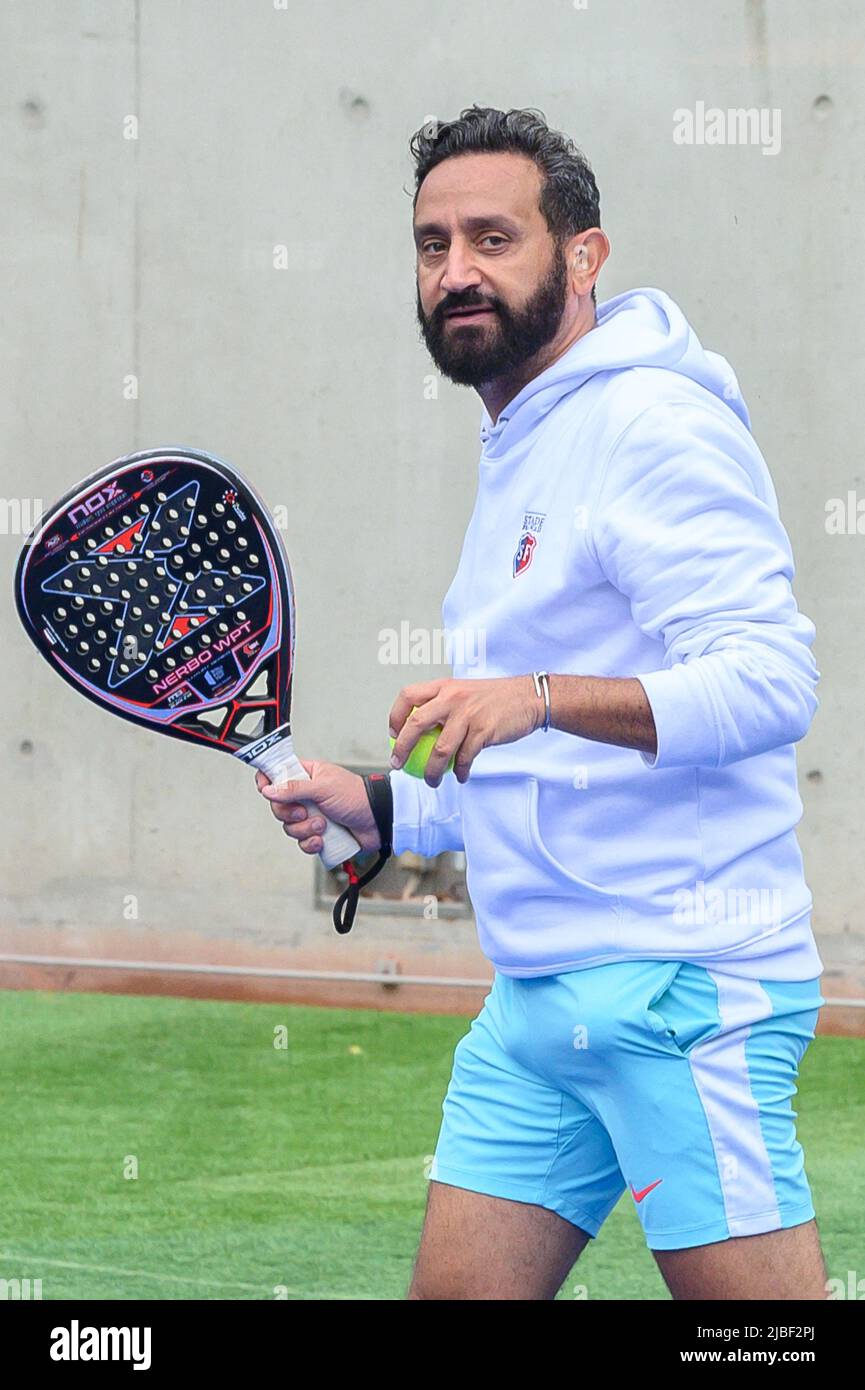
pixel 297 1172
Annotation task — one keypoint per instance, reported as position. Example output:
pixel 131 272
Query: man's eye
pixel 434 248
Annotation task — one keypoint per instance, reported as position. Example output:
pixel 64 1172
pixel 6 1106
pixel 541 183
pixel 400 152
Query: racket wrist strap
pixel 378 790
pixel 380 795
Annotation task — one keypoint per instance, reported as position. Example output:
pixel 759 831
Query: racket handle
pixel 282 764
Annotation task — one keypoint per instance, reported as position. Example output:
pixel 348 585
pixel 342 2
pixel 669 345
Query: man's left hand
pixel 474 714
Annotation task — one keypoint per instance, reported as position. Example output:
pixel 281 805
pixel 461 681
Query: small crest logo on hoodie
pixel 531 529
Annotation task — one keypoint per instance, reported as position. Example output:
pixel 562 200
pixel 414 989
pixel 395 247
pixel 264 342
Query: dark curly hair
pixel 569 197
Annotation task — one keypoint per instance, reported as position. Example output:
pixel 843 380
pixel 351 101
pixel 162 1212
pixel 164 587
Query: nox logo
pixel 253 750
pixel 110 492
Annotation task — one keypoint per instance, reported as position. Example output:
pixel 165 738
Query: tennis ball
pixel 415 763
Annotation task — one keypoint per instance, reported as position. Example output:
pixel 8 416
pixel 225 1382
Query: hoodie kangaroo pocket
pixel 508 864
pixel 555 866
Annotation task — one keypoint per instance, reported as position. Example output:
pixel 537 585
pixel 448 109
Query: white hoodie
pixel 626 525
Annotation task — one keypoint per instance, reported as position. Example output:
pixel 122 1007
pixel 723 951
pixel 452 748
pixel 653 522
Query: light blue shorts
pixel 666 1078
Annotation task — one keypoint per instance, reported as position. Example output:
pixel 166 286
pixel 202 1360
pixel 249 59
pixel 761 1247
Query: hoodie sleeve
pixel 425 819
pixel 686 526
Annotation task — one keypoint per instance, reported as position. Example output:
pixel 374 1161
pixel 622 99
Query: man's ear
pixel 589 250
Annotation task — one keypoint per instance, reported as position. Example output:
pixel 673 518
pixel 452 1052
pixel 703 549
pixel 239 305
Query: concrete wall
pixel 152 257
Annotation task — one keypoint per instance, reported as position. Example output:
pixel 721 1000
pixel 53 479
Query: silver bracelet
pixel 541 679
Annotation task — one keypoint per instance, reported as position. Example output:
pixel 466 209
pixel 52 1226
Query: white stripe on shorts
pixel 720 1073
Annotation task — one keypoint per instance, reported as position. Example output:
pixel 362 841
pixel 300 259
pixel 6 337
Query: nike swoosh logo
pixel 638 1196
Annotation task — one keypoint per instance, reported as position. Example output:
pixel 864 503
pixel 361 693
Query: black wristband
pixel 380 794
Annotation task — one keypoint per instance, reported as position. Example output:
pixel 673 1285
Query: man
pixel 625 779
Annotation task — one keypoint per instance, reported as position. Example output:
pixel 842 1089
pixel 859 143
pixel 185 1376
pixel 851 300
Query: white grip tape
pixel 281 764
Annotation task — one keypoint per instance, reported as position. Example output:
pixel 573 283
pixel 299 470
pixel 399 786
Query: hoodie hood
pixel 640 328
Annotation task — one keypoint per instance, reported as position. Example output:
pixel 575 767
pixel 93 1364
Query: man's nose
pixel 460 272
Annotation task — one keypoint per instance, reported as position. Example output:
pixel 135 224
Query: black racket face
pixel 159 588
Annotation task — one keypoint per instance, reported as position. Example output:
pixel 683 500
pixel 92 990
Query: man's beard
pixel 477 353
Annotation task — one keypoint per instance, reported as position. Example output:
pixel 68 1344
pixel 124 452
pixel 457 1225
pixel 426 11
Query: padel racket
pixel 159 588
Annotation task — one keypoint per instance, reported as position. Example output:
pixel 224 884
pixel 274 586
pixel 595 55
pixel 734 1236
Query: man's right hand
pixel 338 793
